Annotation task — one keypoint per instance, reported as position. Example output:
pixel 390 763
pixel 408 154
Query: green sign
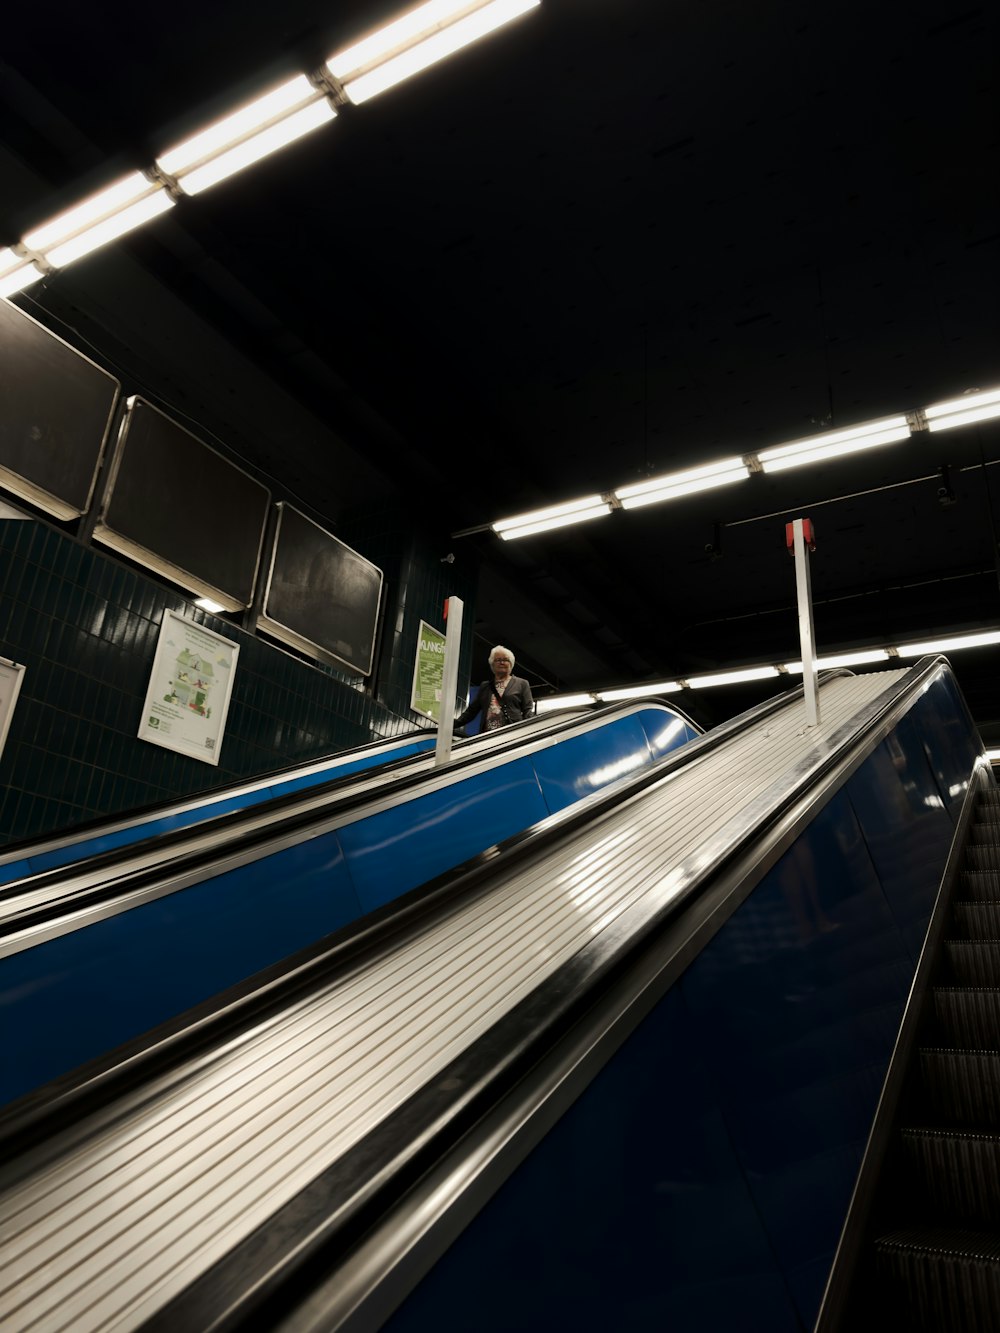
pixel 428 672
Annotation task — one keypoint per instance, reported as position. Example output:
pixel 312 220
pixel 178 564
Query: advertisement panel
pixel 190 686
pixel 428 672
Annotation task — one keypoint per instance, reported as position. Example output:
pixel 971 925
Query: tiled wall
pixel 86 628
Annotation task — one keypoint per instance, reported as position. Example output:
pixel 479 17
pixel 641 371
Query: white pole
pixel 807 638
pixel 449 680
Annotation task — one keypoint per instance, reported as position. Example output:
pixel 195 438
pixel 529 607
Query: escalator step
pixel 982 856
pixel 942 1280
pixel 961 1087
pixel 977 920
pixel 959 1173
pixel 974 962
pixel 986 830
pixel 980 884
pixel 968 1016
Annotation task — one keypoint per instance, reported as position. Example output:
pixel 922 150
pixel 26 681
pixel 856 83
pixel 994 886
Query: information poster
pixel 189 689
pixel 428 673
pixel 11 675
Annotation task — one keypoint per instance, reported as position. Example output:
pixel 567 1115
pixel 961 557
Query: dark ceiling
pixel 617 238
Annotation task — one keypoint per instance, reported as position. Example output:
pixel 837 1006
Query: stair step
pixel 961 1086
pixel 959 1172
pixel 942 1279
pixel 986 831
pixel 977 920
pixel 979 885
pixel 974 962
pixel 968 1016
pixel 982 856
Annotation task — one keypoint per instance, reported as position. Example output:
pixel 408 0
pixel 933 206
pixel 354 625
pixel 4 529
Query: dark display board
pixel 181 509
pixel 321 597
pixel 55 411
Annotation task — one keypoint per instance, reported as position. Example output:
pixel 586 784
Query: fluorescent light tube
pixel 640 691
pixel 16 273
pixel 834 444
pixel 207 604
pixel 948 645
pixel 417 40
pixel 255 148
pixel 107 203
pixel 682 483
pixel 158 201
pixel 732 677
pixel 563 701
pixel 843 660
pixel 963 411
pixel 993 755
pixel 239 125
pixel 556 516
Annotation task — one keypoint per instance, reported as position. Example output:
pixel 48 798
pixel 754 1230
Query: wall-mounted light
pixel 964 411
pixel 675 484
pixel 417 40
pixel 550 704
pixel 834 444
pixel 246 136
pixel 16 272
pixel 207 604
pixel 556 516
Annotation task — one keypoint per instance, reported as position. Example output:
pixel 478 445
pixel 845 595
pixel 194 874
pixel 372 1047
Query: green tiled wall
pixel 86 628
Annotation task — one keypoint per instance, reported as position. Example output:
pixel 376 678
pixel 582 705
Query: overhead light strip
pixel 773 671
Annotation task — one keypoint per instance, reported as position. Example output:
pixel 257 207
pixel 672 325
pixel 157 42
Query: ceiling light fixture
pixel 949 645
pixel 971 407
pixel 640 691
pixel 16 272
pixel 415 41
pixel 842 660
pixel 557 516
pixel 246 136
pixel 102 217
pixel 733 677
pixel 563 701
pixel 682 483
pixel 834 444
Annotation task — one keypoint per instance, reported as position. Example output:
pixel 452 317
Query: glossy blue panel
pixel 666 732
pixel 947 740
pixel 82 994
pixel 633 1214
pixel 407 845
pixel 586 763
pixel 905 824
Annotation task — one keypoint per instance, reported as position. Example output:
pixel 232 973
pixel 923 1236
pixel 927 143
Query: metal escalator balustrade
pixel 105 1226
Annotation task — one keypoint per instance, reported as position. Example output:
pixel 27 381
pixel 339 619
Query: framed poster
pixel 11 676
pixel 322 597
pixel 428 672
pixel 189 689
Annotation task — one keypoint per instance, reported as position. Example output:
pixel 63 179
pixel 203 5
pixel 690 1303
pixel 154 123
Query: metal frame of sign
pixel 11 679
pixel 190 687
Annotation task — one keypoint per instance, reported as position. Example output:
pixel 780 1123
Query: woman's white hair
pixel 501 649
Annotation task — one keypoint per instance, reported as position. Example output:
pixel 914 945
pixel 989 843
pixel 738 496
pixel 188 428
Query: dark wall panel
pixel 55 411
pixel 180 508
pixel 322 597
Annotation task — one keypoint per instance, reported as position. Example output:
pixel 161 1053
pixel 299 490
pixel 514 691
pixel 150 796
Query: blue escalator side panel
pixel 946 740
pixel 702 1179
pixel 394 851
pixel 634 1214
pixel 595 759
pixel 343 770
pixel 82 994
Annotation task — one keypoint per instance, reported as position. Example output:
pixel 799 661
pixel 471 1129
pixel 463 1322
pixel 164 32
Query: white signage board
pixel 189 689
pixel 11 676
pixel 428 672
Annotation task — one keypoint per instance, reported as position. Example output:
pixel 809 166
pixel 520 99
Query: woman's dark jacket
pixel 516 702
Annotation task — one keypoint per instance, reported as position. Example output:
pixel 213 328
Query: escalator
pixel 621 1070
pixel 132 934
pixel 922 1245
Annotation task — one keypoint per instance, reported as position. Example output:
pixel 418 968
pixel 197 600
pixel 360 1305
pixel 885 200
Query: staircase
pixel 933 1260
